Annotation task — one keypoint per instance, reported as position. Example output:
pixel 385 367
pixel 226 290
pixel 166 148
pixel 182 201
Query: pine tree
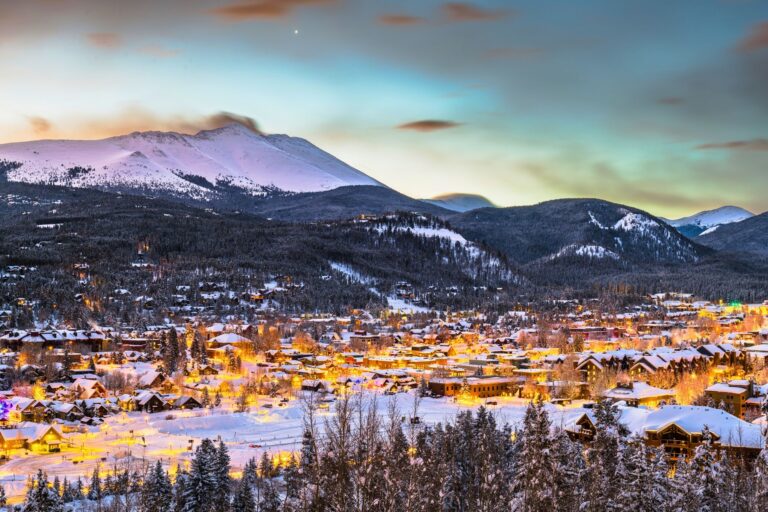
pixel 202 483
pixel 67 494
pixel 243 500
pixel 707 472
pixel 535 464
pixel 41 498
pixel 761 480
pixel 603 459
pixel 217 398
pixel 157 492
pixel 568 476
pixel 180 491
pixel 684 493
pixel 205 400
pixel 95 491
pixel 223 481
pixel 3 497
pixel 269 498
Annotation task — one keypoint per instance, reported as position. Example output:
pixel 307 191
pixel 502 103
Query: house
pixel 155 380
pixel 639 394
pixel 733 394
pixel 150 401
pixel 679 429
pixel 32 436
pixel 88 388
pixel 187 402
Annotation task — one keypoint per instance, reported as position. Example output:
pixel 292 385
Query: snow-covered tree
pixel 41 497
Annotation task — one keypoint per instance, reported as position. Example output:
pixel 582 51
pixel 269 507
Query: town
pixel 679 370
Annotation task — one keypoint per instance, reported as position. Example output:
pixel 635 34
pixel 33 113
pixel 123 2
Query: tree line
pixel 365 461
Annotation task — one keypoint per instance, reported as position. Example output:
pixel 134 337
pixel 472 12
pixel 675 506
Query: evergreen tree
pixel 41 498
pixel 535 464
pixel 706 470
pixel 157 492
pixel 217 398
pixel 67 493
pixel 95 491
pixel 180 490
pixel 570 469
pixel 3 497
pixel 223 481
pixel 202 483
pixel 243 500
pixel 603 458
pixel 205 400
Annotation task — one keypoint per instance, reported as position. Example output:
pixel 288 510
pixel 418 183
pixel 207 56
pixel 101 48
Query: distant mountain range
pixel 233 169
pixel 460 202
pixel 709 220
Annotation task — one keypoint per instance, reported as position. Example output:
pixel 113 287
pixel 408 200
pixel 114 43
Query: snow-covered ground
pixel 132 439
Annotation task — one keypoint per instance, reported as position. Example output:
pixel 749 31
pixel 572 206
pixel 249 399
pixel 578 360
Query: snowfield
pixel 186 164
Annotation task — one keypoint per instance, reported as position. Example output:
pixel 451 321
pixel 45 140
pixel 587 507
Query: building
pixel 733 394
pixel 479 387
pixel 639 394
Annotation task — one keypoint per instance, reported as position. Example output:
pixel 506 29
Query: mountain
pixel 460 202
pixel 577 230
pixel 340 203
pixel 208 165
pixel 749 236
pixel 709 220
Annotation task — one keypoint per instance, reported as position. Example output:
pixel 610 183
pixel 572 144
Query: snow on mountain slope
pixel 711 218
pixel 193 165
pixel 460 202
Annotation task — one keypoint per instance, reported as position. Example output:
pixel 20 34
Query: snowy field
pixel 133 439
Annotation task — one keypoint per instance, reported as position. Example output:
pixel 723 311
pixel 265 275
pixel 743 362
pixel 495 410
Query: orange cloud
pixel 104 39
pixel 756 39
pixel 464 11
pixel 400 19
pixel 428 125
pixel 746 145
pixel 40 125
pixel 265 9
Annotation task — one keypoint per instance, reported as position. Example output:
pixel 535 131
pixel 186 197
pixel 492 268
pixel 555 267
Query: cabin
pixel 639 394
pixel 32 436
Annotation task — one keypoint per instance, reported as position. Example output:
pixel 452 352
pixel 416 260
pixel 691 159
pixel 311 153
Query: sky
pixel 658 104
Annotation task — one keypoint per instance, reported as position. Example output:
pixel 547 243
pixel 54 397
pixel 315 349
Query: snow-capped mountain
pixel 707 221
pixel 585 229
pixel 460 202
pixel 198 166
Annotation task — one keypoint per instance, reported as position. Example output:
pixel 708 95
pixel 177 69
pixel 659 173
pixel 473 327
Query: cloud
pixel 265 9
pixel 746 145
pixel 225 118
pixel 158 51
pixel 756 39
pixel 40 125
pixel 670 100
pixel 104 39
pixel 136 119
pixel 428 125
pixel 464 11
pixel 400 19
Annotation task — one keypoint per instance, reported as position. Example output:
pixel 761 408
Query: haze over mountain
pixel 199 166
pixel 458 202
pixel 709 220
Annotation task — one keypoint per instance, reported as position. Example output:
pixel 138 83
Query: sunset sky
pixel 658 104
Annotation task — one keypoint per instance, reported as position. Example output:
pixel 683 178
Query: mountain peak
pixel 459 202
pixel 708 220
pixel 188 165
